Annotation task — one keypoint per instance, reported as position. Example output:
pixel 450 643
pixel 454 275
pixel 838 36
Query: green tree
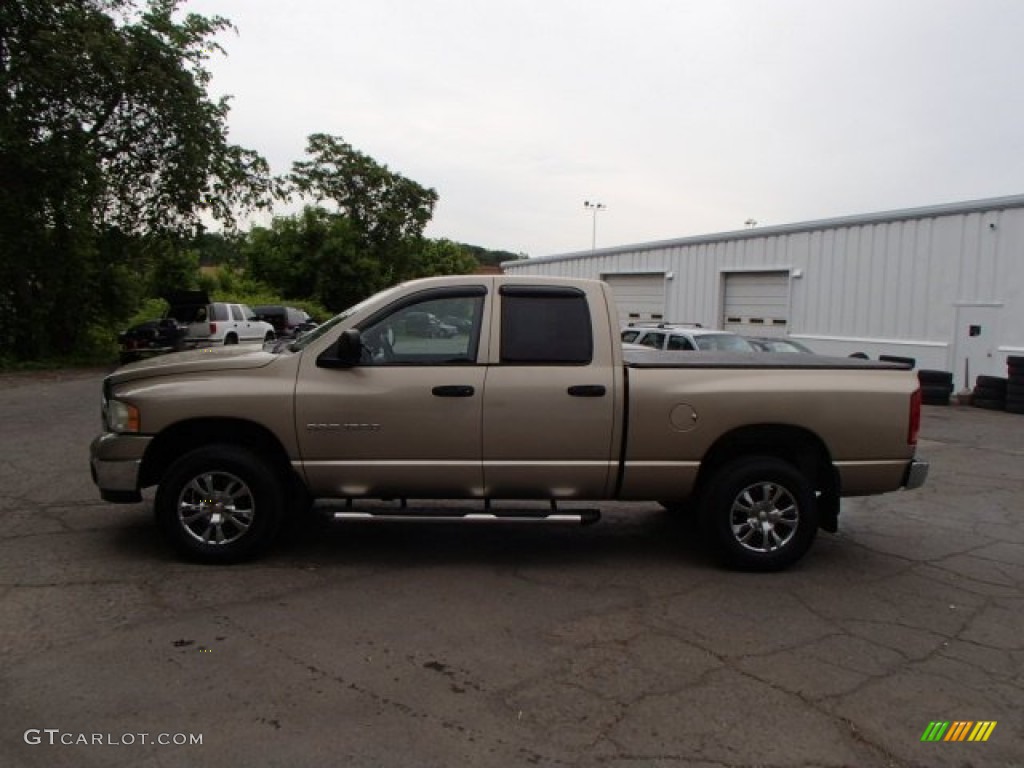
pixel 217 249
pixel 316 254
pixel 287 253
pixel 490 258
pixel 346 272
pixel 387 212
pixel 443 257
pixel 174 268
pixel 322 256
pixel 107 133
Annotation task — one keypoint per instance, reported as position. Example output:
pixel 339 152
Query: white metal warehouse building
pixel 943 284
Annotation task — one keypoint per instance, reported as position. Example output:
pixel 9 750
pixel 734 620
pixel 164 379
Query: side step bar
pixel 489 514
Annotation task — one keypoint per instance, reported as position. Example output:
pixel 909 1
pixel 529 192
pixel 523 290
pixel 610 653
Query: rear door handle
pixel 587 390
pixel 455 390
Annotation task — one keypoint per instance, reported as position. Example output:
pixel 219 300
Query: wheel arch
pixel 177 439
pixel 797 446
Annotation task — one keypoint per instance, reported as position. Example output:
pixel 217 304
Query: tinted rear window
pixel 679 342
pixel 545 326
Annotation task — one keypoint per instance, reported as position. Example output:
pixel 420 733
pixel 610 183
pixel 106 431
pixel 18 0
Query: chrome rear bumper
pixel 917 473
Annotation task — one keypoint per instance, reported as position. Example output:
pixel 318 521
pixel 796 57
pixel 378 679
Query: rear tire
pixel 935 378
pixel 936 394
pixel 988 403
pixel 761 513
pixel 994 384
pixel 220 504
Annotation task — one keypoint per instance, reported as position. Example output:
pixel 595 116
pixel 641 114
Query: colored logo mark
pixel 959 730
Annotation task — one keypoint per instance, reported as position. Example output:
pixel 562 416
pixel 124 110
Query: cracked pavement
pixel 620 644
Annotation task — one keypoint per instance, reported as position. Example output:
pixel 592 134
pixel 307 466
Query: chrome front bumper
pixel 115 462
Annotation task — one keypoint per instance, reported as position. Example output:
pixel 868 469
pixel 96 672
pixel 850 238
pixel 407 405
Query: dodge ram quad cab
pixel 533 398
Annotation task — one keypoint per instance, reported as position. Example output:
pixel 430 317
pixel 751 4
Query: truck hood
pixel 194 361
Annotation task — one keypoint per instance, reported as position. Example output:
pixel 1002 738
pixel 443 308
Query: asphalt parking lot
pixel 619 644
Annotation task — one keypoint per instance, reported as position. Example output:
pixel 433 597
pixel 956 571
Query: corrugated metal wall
pixel 888 283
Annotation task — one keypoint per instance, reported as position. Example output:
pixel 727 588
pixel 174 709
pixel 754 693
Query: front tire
pixel 761 513
pixel 220 504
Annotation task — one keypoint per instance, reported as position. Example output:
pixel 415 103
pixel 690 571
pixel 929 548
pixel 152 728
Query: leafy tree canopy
pixel 106 127
pixel 111 150
pixel 380 203
pixel 321 255
pixel 118 96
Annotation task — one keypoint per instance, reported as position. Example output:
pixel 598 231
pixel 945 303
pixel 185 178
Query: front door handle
pixel 587 390
pixel 455 390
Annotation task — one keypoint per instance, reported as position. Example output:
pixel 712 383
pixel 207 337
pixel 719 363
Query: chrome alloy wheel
pixel 216 508
pixel 764 517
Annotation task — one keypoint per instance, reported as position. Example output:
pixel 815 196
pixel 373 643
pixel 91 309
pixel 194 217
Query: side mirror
pixel 350 347
pixel 345 353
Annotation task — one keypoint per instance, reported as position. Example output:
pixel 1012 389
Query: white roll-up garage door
pixel 639 297
pixel 756 303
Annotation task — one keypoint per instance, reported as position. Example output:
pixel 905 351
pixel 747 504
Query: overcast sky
pixel 683 118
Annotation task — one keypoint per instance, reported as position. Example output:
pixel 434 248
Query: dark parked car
pixel 776 344
pixel 288 322
pixel 461 324
pixel 151 338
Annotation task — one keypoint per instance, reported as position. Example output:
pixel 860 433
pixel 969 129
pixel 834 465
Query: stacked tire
pixel 1015 384
pixel 936 386
pixel 990 393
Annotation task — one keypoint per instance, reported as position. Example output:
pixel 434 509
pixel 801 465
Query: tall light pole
pixel 594 208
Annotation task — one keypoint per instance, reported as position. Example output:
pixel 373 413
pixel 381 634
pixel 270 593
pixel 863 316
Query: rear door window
pixel 654 340
pixel 545 325
pixel 680 342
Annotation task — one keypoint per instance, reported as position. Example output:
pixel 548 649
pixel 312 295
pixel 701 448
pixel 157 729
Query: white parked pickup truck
pixel 532 398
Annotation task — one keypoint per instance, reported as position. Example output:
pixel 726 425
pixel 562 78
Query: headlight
pixel 122 417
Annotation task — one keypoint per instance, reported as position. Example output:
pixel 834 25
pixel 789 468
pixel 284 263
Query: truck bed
pixel 681 406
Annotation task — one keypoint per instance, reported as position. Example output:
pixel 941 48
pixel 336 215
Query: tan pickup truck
pixel 531 397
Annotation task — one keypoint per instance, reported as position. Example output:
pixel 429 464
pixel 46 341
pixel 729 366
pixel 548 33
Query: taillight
pixel 213 329
pixel 914 428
